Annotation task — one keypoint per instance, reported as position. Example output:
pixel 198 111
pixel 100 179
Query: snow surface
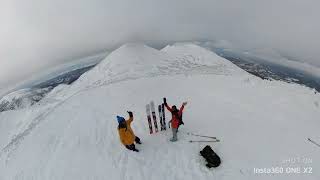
pixel 72 133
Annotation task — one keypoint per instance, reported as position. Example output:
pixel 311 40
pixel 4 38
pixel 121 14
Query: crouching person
pixel 127 137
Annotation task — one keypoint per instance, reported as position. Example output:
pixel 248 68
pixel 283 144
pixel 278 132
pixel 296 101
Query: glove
pixel 130 113
pixel 165 101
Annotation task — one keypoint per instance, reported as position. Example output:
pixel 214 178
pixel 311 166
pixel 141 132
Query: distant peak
pixel 133 45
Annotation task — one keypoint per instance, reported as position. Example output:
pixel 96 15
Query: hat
pixel 120 119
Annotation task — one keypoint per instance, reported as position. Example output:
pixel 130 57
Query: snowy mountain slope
pixel 195 54
pixel 133 61
pixel 22 98
pixel 74 136
pixel 32 90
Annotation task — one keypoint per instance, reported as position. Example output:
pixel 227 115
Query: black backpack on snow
pixel 213 160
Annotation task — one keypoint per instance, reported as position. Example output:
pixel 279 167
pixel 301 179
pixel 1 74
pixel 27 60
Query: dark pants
pixel 137 140
pixel 132 147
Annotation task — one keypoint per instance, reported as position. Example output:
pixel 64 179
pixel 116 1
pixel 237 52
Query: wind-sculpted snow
pixel 73 134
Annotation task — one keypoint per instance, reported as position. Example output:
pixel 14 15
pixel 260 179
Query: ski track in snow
pixel 17 138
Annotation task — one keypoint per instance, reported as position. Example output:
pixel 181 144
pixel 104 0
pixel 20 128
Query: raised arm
pixel 168 107
pixel 182 107
pixel 130 117
pixel 166 104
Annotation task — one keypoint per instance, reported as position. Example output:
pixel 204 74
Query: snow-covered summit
pixel 134 60
pixel 201 54
pixel 128 61
pixel 198 55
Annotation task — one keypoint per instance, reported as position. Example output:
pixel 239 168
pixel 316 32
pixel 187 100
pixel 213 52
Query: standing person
pixel 127 137
pixel 176 118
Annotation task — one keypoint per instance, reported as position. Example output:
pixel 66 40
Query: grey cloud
pixel 37 34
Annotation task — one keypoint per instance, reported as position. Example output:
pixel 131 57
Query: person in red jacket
pixel 176 118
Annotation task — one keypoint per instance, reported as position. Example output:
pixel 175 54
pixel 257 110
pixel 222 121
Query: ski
pixel 154 117
pixel 192 134
pixel 149 117
pixel 160 117
pixel 163 117
pixel 204 141
pixel 315 143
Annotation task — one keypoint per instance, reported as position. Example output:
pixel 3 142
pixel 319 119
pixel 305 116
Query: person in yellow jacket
pixel 127 137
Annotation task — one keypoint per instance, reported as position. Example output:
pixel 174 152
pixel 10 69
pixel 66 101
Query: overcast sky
pixel 37 34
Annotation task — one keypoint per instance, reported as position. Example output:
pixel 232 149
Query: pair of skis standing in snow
pixel 127 136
